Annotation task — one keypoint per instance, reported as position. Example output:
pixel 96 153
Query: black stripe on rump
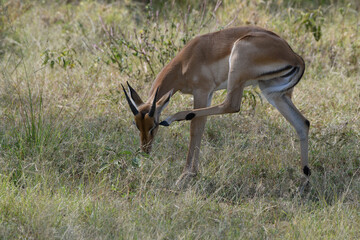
pixel 278 71
pixel 290 73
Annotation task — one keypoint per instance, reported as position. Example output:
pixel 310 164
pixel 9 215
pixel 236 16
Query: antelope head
pixel 146 115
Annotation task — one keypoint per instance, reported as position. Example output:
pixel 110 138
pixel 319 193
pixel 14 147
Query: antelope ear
pixel 132 105
pixel 163 101
pixel 134 96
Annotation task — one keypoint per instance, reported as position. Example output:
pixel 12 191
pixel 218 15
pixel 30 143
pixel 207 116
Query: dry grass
pixel 70 165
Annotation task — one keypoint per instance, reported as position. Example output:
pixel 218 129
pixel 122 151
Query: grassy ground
pixel 70 165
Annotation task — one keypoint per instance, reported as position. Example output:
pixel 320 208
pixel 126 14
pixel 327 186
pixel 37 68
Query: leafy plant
pixel 64 58
pixel 312 21
pixel 148 49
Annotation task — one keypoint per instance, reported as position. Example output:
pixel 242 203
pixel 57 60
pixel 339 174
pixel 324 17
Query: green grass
pixel 70 164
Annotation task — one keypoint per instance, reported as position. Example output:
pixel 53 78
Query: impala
pixel 228 59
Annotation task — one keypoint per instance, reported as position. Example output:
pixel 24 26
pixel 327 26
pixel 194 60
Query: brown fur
pixel 230 59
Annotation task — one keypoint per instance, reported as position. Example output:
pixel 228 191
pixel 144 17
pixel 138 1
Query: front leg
pixel 192 161
pixel 197 127
pixel 230 105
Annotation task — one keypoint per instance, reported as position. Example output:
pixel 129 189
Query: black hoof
pixel 307 171
pixel 190 116
pixel 164 123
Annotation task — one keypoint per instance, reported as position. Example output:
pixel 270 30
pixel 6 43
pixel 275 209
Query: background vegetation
pixel 70 165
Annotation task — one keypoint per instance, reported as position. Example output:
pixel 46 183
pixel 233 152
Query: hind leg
pixel 283 103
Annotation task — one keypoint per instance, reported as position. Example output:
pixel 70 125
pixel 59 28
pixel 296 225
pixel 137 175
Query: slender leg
pixel 196 131
pixel 286 107
pixel 230 105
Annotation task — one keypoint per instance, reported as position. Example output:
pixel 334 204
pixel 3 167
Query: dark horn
pixel 153 107
pixel 131 104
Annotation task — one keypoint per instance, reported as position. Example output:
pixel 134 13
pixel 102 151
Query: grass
pixel 70 164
